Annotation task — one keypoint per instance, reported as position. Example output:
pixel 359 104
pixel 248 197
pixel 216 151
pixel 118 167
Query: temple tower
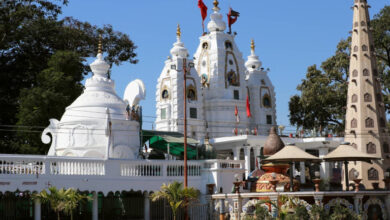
pixel 261 94
pixel 365 126
pixel 170 94
pixel 220 66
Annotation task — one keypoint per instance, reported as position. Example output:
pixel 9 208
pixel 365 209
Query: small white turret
pixel 178 49
pixel 253 62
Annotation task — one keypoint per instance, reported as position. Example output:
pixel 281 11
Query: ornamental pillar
pixel 303 172
pixel 146 206
pixel 318 199
pixel 95 206
pixel 274 210
pixel 237 207
pixel 247 151
pixel 37 209
pixel 222 209
pixel 357 202
pixel 236 153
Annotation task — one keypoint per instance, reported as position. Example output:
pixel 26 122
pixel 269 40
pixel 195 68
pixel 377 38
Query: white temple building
pixel 217 88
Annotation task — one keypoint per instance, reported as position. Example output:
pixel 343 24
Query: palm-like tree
pixel 175 195
pixel 60 200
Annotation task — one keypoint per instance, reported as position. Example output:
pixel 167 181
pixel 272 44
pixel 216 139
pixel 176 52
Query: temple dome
pixel 273 143
pixel 216 23
pixel 98 123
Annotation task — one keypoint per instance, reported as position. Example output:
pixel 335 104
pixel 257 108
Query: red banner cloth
pixel 248 107
pixel 203 9
pixel 232 17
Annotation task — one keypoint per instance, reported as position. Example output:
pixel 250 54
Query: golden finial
pixel 253 45
pixel 100 44
pixel 216 3
pixel 178 31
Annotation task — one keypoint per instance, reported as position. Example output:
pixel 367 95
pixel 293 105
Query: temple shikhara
pixel 226 104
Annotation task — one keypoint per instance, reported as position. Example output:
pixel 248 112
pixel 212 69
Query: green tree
pixel 60 200
pixel 31 34
pixel 175 195
pixel 318 213
pixel 323 93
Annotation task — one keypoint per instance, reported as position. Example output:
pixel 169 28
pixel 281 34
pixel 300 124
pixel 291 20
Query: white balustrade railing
pixel 23 166
pixel 43 165
pixel 223 164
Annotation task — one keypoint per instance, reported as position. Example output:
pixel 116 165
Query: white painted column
pixel 324 168
pixel 274 210
pixel 37 209
pixel 236 153
pixel 247 152
pixel 95 206
pixel 146 206
pixel 303 172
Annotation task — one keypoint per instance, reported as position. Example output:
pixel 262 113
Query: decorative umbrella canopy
pixel 291 153
pixel 345 152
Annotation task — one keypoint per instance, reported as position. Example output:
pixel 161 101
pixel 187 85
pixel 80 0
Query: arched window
pixel 371 148
pixel 354 98
pixel 354 73
pixel 367 97
pixel 369 123
pixel 354 108
pixel 266 101
pixel 354 123
pixel 205 45
pixel 356 24
pixel 363 23
pixel 364 48
pixel 355 49
pixel 228 45
pixel 366 72
pixel 352 174
pixel 165 94
pixel 386 148
pixel 191 94
pixel 373 174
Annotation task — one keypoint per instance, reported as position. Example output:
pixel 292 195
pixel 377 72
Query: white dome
pixel 216 23
pixel 96 124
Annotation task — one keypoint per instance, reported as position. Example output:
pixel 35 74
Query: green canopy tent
pixel 170 141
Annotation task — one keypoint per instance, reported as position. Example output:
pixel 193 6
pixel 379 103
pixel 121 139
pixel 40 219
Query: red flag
pixel 203 11
pixel 248 107
pixel 236 111
pixel 232 17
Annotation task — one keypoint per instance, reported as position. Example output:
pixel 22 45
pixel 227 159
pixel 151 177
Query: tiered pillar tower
pixel 365 122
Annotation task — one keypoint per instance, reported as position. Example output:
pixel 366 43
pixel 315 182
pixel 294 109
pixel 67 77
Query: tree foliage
pixel 39 55
pixel 175 195
pixel 323 93
pixel 60 200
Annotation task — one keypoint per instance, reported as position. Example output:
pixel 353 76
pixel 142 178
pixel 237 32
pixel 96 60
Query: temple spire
pixel 178 32
pixel 100 47
pixel 365 120
pixel 253 47
pixel 216 8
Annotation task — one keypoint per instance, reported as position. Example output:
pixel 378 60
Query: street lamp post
pixel 190 65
